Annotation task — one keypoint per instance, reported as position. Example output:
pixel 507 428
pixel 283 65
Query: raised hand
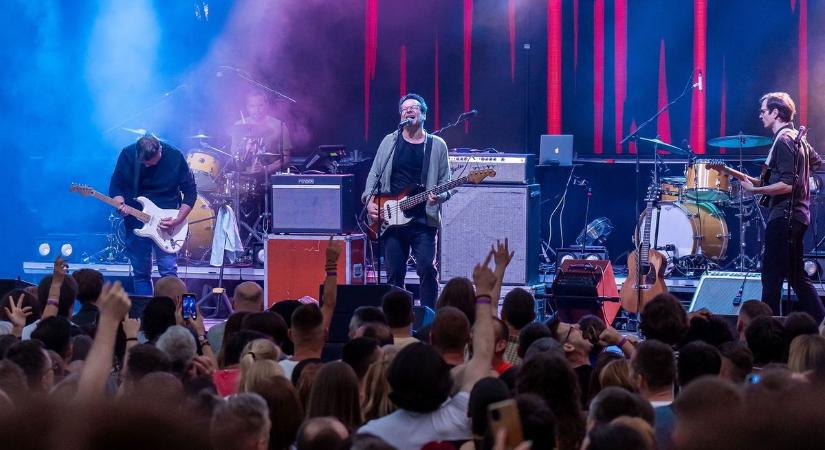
pixel 333 251
pixel 114 303
pixel 16 314
pixel 131 327
pixel 59 271
pixel 483 277
pixel 502 253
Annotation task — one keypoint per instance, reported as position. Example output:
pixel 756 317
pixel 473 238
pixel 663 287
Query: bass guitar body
pixel 638 289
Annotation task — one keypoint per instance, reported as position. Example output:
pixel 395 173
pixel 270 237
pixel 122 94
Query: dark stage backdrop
pixel 592 68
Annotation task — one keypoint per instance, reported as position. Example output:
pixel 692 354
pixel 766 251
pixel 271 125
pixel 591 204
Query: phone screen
pixel 190 311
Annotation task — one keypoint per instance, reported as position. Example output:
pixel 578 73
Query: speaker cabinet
pixel 350 298
pixel 583 287
pixel 313 204
pixel 722 293
pixel 478 215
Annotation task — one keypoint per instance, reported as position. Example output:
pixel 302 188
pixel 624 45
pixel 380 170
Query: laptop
pixel 556 149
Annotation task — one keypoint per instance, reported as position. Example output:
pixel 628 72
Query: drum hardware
pixel 114 252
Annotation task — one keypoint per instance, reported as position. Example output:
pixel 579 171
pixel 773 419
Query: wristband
pixel 483 299
pixel 622 342
pixel 53 302
pixel 131 339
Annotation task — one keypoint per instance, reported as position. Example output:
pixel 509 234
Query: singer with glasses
pixel 789 164
pixel 410 156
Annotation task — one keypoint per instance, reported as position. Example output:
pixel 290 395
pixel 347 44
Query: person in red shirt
pixel 500 364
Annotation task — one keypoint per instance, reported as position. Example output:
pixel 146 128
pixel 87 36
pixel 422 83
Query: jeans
pixel 421 239
pixel 784 260
pixel 139 252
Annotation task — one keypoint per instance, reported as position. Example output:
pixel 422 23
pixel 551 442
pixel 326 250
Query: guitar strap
pixel 781 133
pixel 425 169
pixel 137 172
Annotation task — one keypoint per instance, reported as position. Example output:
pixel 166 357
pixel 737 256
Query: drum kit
pixel 690 224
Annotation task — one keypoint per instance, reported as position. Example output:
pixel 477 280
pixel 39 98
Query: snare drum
pixel 704 184
pixel 671 188
pixel 201 228
pixel 691 228
pixel 206 168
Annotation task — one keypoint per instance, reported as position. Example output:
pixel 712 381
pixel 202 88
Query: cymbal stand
pixel 742 259
pixel 113 252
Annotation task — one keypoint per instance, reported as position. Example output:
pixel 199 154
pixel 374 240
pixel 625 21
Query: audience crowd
pixel 272 378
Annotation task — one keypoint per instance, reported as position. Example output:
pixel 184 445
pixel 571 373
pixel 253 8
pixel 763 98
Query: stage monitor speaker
pixel 348 299
pixel 139 303
pixel 478 215
pixel 583 287
pixel 722 293
pixel 313 204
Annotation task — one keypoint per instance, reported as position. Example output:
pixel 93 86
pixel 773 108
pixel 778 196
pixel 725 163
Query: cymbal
pixel 665 146
pixel 199 136
pixel 142 132
pixel 268 154
pixel 745 140
pixel 676 181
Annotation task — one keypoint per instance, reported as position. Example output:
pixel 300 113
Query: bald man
pixel 248 297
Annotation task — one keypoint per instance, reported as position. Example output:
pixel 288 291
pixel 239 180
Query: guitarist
pixel 159 172
pixel 405 158
pixel 789 164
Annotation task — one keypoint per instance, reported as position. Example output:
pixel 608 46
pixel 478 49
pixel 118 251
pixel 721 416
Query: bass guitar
pixel 641 286
pixel 399 210
pixel 170 241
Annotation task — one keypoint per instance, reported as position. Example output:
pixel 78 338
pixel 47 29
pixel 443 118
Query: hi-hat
pixel 743 140
pixel 662 145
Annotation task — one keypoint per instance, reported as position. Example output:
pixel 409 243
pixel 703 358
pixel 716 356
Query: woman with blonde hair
pixel 807 353
pixel 617 373
pixel 376 402
pixel 259 350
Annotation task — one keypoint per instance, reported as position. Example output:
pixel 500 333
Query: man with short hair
pixel 696 359
pixel 450 334
pixel 172 287
pixel 518 310
pixel 155 170
pixel 653 370
pixel 766 339
pixel 33 358
pixel 406 158
pixel 397 307
pixel 500 364
pixel 89 285
pixel 321 433
pixel 241 423
pixel 750 310
pixel 790 162
pixel 248 297
pixel 365 316
pixel 56 334
pixel 308 334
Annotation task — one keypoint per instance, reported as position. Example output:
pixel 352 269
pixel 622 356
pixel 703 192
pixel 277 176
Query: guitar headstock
pixel 478 175
pixel 81 189
pixel 654 193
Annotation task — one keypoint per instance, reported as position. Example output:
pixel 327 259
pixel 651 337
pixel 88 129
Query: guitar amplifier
pixel 511 168
pixel 313 204
pixel 722 293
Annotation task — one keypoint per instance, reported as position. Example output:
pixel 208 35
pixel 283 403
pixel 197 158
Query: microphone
pixel 405 122
pixel 803 130
pixel 470 113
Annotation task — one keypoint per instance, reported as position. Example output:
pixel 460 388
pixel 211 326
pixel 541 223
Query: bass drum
pixel 201 229
pixel 690 228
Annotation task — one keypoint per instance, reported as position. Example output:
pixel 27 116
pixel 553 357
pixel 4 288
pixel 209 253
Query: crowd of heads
pixel 271 378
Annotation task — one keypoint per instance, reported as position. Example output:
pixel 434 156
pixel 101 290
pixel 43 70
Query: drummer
pixel 256 137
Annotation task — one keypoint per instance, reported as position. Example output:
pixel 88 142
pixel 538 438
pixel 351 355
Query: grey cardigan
pixel 438 173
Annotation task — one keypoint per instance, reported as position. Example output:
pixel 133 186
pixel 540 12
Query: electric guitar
pixel 399 210
pixel 641 286
pixel 170 241
pixel 764 178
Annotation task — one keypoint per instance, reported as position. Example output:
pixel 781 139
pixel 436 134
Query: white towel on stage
pixel 226 237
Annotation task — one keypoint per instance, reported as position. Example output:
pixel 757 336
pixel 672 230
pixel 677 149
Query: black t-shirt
pixel 407 163
pixel 168 184
pixel 583 373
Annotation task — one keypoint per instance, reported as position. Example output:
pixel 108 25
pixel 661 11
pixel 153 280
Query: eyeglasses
pixel 567 336
pixel 411 108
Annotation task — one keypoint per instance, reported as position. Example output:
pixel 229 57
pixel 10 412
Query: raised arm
pixel 331 281
pixel 58 275
pixel 114 303
pixel 502 256
pixel 478 366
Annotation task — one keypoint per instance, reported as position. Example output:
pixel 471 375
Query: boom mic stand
pixel 635 137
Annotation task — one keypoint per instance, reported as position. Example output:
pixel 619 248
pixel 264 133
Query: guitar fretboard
pixel 417 199
pixel 138 214
pixel 645 247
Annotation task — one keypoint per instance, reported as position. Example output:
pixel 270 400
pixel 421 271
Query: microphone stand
pixel 635 137
pixel 376 189
pixel 461 119
pixel 244 75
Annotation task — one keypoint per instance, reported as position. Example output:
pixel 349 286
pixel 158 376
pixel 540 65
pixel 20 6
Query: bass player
pixel 159 172
pixel 410 156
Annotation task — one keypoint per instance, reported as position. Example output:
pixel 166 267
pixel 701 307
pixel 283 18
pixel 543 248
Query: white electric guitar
pixel 170 241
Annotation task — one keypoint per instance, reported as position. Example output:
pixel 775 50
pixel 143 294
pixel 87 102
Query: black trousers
pixel 421 239
pixel 783 260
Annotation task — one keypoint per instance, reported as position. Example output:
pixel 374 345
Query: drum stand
pixel 113 252
pixel 743 262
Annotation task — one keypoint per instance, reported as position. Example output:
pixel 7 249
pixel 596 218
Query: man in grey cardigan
pixel 407 158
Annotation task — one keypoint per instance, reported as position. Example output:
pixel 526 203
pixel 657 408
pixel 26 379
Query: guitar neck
pixel 136 213
pixel 417 199
pixel 645 247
